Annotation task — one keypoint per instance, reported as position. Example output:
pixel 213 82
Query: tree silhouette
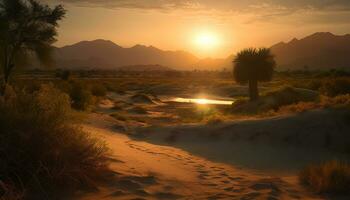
pixel 27 28
pixel 251 66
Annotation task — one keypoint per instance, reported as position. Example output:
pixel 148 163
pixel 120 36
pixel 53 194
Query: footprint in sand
pixel 200 166
pixel 133 185
pixel 167 195
pixel 237 190
pixel 138 199
pixel 141 192
pixel 232 189
pixel 251 196
pixel 264 186
pixel 168 187
pixel 118 193
pixel 294 196
pixel 203 171
pixel 146 180
pixel 223 174
pixel 210 184
pixel 203 176
pixel 272 198
pixel 128 185
pixel 235 178
pixel 221 196
pixel 224 181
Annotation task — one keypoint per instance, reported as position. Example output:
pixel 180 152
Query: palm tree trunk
pixel 4 83
pixel 253 90
pixel 6 76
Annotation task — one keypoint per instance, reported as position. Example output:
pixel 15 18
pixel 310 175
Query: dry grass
pixel 196 113
pixel 329 177
pixel 43 155
pixel 335 87
pixel 274 100
pixel 341 101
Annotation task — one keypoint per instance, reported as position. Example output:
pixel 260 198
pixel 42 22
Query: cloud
pixel 134 4
pixel 213 4
pixel 328 11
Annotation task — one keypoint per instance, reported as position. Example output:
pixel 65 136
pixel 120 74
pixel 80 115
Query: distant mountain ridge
pixel 319 51
pixel 104 54
pixel 322 50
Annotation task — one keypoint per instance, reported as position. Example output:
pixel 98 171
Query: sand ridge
pixel 148 171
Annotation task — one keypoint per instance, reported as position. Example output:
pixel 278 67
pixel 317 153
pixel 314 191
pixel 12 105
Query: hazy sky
pixel 206 28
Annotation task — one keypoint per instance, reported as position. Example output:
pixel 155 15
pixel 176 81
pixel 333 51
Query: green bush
pixel 98 90
pixel 335 87
pixel 329 177
pixel 43 155
pixel 81 96
pixel 64 75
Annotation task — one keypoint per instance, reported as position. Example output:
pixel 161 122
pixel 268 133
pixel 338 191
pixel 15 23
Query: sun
pixel 206 40
pixel 201 101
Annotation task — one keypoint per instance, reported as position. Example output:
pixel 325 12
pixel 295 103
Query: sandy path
pixel 147 171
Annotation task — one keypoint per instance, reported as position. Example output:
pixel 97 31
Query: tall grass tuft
pixel 81 96
pixel 335 87
pixel 43 155
pixel 329 177
pixel 274 100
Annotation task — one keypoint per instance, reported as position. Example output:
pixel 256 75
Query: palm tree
pixel 27 29
pixel 252 65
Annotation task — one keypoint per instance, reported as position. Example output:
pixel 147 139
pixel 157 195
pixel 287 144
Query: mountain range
pixel 104 54
pixel 321 50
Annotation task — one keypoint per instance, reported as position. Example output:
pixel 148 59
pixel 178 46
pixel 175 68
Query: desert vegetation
pixel 138 102
pixel 26 27
pixel 329 177
pixel 253 65
pixel 149 131
pixel 43 154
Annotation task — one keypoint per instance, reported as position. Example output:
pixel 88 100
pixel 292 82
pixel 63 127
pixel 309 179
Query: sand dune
pixel 147 171
pixel 283 144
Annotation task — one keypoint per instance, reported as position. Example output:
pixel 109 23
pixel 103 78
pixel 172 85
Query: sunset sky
pixel 206 28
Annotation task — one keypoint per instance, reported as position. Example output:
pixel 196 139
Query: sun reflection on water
pixel 203 101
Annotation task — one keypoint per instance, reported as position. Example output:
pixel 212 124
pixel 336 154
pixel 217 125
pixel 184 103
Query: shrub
pixel 98 90
pixel 329 177
pixel 299 107
pixel 338 101
pixel 64 75
pixel 314 84
pixel 289 95
pixel 199 113
pixel 64 86
pixel 43 155
pixel 275 99
pixel 215 119
pixel 81 97
pixel 335 87
pixel 341 101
